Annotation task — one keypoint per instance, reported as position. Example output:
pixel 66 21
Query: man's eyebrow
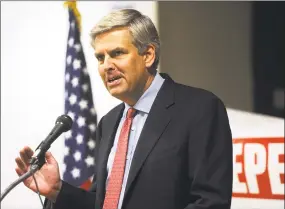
pixel 112 50
pixel 119 48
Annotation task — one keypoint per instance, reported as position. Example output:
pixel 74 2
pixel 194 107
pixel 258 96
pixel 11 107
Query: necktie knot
pixel 131 112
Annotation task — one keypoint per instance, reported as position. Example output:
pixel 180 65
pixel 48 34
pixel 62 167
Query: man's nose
pixel 108 64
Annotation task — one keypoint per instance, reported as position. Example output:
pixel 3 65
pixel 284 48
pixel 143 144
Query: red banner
pixel 259 168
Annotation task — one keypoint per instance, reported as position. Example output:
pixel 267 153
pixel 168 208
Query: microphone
pixel 63 123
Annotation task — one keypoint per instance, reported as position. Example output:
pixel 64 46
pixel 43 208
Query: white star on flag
pixel 69 59
pixel 79 139
pixel 77 47
pixel 92 127
pixel 67 77
pixel 77 156
pixel 75 173
pixel 71 42
pixel 72 24
pixel 89 161
pixel 85 71
pixel 72 99
pixel 68 134
pixel 83 104
pixel 85 87
pixel 74 82
pixel 71 114
pixel 76 64
pixel 91 144
pixel 80 121
pixel 92 110
pixel 66 151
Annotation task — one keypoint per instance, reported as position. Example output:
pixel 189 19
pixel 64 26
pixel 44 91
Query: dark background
pixel 269 57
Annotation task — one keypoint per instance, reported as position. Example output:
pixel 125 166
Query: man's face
pixel 123 71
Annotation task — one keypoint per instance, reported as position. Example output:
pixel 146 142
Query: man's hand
pixel 48 177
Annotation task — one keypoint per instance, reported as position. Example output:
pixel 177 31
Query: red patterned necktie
pixel 117 173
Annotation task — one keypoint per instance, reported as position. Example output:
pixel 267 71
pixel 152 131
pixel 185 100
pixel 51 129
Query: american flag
pixel 79 162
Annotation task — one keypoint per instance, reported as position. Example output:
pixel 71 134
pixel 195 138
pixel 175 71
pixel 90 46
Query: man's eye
pixel 117 53
pixel 100 58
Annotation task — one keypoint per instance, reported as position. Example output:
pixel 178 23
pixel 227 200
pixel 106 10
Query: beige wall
pixel 207 44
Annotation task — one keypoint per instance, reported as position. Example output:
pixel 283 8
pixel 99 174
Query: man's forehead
pixel 117 38
pixel 114 34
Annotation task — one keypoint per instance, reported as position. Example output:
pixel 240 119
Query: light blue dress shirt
pixel 142 106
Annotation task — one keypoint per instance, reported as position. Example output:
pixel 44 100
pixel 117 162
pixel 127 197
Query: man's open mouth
pixel 112 79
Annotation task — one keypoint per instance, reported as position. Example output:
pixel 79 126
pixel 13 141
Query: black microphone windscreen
pixel 66 121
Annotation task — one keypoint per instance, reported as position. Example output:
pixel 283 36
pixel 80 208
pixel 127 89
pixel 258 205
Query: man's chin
pixel 116 93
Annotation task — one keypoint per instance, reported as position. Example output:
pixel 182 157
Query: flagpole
pixel 72 4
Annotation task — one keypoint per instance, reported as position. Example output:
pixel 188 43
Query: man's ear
pixel 149 55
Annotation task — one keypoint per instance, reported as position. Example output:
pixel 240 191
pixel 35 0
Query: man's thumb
pixel 49 158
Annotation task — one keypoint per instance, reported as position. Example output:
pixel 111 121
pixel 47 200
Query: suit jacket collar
pixel 166 96
pixel 157 121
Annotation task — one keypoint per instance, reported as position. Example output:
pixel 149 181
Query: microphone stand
pixel 36 164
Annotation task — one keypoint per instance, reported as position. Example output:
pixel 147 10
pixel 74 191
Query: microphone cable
pixel 32 170
pixel 38 191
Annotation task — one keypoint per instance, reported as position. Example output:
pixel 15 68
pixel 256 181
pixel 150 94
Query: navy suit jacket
pixel 183 159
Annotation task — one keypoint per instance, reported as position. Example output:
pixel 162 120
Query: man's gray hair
pixel 140 26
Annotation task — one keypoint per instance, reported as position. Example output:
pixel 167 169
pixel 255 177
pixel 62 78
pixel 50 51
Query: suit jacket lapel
pixel 156 123
pixel 108 135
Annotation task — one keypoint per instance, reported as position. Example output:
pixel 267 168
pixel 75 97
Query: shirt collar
pixel 146 100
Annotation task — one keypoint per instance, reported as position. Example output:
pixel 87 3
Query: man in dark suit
pixel 167 146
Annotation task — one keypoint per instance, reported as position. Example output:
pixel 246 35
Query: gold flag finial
pixel 73 6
